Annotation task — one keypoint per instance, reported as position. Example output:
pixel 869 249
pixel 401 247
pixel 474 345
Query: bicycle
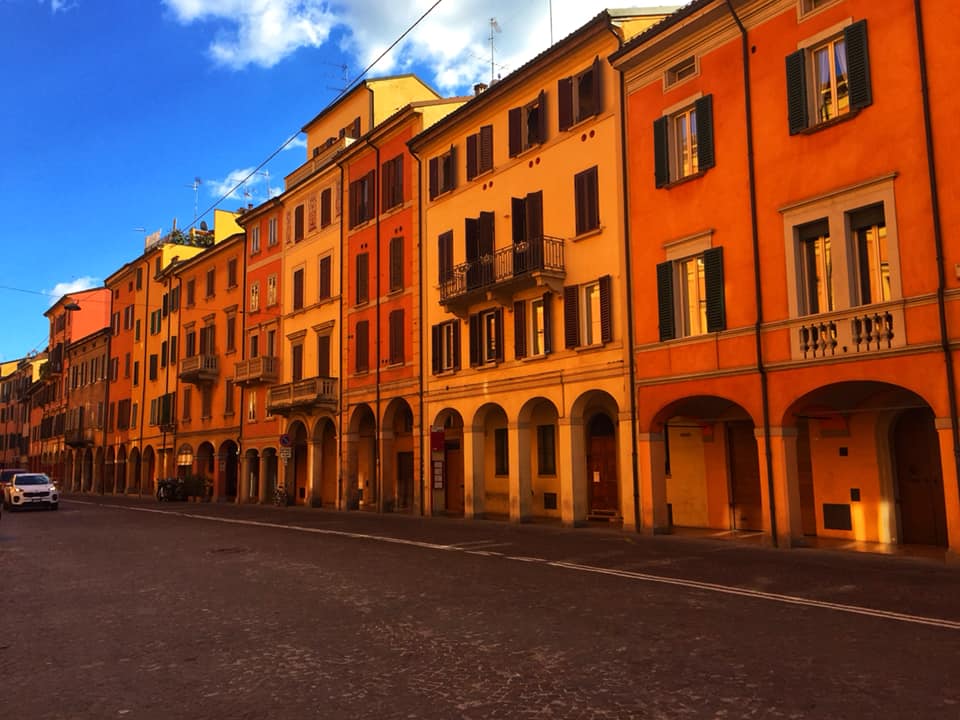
pixel 280 497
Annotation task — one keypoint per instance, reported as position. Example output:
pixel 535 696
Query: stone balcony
pixel 257 370
pixel 856 331
pixel 199 369
pixel 304 396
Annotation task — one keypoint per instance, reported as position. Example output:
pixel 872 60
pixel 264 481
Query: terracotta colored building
pixel 793 270
pixel 85 424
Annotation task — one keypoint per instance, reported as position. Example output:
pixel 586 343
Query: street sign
pixel 285 440
pixel 286 452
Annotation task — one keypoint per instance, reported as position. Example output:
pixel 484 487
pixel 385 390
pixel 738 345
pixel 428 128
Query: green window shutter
pixel 519 329
pixel 661 151
pixel 858 65
pixel 704 110
pixel 713 280
pixel 797 92
pixel 565 102
pixel 571 316
pixel 665 300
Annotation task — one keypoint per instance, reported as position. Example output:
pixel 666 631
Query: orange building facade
pixel 795 318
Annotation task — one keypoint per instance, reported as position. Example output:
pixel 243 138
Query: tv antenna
pixel 494 27
pixel 197 182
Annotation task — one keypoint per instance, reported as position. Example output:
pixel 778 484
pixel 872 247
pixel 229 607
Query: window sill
pixel 394 365
pixel 393 293
pixel 588 234
pixel 535 358
pixel 361 373
pixel 579 123
pixel 589 348
pixel 446 373
pixel 682 181
pixel 529 150
pixel 481 174
pixel 441 193
pixel 361 305
pixel 811 129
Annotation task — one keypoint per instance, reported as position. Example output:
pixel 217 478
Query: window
pixel 271 290
pixel 252 406
pixel 528 125
pixel 362 346
pixel 546 450
pixel 175 299
pixel 363 279
pixel 139 278
pixel 165 304
pixel 586 313
pixel 187 395
pixel 298 289
pixel 206 402
pixel 579 96
pixel 445 257
pixel 479 244
pixel 211 282
pixel 396 339
pixel 690 295
pixel 156 321
pixel 325 207
pixel 153 366
pixel 486 337
pixel 362 200
pixel 115 323
pixel 128 317
pixel 443 172
pixel 136 372
pixel 126 365
pixel 254 346
pixel 809 6
pixel 229 398
pixel 396 264
pixel 232 273
pixel 446 346
pixel 829 79
pixel 296 355
pixel 312 213
pixel 586 197
pixel 501 451
pixel 323 355
pixel 254 239
pixel 392 177
pixel 816 267
pixel 683 70
pixel 208 338
pixel 683 142
pixel 231 333
pixel 272 234
pixel 254 297
pixel 326 264
pixel 871 249
pixel 480 152
pixel 191 349
pixel 136 330
pixel 531 328
pixel 173 349
pixel 298 223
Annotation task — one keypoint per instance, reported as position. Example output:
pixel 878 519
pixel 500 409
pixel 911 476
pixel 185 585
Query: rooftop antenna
pixel 494 27
pixel 266 174
pixel 551 21
pixel 197 182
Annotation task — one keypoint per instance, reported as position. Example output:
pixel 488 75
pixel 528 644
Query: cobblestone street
pixel 118 608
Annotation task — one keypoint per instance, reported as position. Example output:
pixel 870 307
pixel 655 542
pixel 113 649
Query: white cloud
pixel 263 32
pixel 72 286
pixel 60 5
pixel 258 187
pixel 298 143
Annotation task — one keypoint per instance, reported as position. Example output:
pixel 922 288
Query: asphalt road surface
pixel 117 608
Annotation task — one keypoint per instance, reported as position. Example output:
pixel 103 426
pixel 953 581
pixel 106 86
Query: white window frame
pixel 254 239
pixel 272 290
pixel 252 407
pixel 489 339
pixel 681 72
pixel 255 296
pixel 591 330
pixel 447 349
pixel 686 327
pixel 272 235
pixel 537 330
pixel 806 8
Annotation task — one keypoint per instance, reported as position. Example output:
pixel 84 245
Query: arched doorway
pixel 204 464
pixel 98 470
pixel 269 468
pixel 87 474
pixel 133 471
pixel 297 473
pixel 252 478
pixel 397 462
pixel 362 481
pixel 603 479
pixel 227 459
pixel 538 466
pixel 919 479
pixel 446 463
pixel 184 462
pixel 147 482
pixel 491 463
pixel 120 468
pixel 109 477
pixel 325 463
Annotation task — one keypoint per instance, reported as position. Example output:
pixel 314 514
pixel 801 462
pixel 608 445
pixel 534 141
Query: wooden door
pixel 745 496
pixel 453 476
pixel 404 480
pixel 602 466
pixel 923 514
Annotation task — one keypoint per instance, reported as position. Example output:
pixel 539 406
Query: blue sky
pixel 113 107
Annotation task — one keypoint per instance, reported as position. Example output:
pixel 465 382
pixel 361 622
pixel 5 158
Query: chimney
pixel 479 88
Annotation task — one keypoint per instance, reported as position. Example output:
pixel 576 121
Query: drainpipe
pixel 378 474
pixel 142 379
pixel 758 291
pixel 937 238
pixel 423 313
pixel 343 501
pixel 167 362
pixel 106 401
pixel 631 359
pixel 241 453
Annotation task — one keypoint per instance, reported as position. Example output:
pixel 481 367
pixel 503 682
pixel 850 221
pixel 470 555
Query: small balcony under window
pixel 303 396
pixel 199 369
pixel 253 371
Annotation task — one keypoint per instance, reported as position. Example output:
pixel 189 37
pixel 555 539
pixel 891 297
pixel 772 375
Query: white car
pixel 31 490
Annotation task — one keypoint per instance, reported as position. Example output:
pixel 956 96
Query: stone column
pixel 473 469
pixel 951 492
pixel 651 466
pixel 572 464
pixel 786 486
pixel 521 500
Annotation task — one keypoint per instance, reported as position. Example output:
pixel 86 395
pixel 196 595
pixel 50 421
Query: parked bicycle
pixel 280 497
pixel 170 489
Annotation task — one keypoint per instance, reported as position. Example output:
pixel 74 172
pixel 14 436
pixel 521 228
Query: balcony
pixel 319 161
pixel 50 370
pixel 81 437
pixel 858 331
pixel 304 396
pixel 520 265
pixel 199 369
pixel 257 370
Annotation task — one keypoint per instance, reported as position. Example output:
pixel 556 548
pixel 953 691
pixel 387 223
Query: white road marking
pixel 626 574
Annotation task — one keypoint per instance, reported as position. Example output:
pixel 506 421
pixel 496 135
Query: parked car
pixel 29 489
pixel 6 475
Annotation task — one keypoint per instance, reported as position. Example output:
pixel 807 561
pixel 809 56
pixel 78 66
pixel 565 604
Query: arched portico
pixel 597 489
pixel 487 487
pixel 397 456
pixel 227 471
pixel 133 472
pixel 446 476
pixel 120 469
pixel 148 471
pixel 325 491
pixel 536 492
pixel 362 481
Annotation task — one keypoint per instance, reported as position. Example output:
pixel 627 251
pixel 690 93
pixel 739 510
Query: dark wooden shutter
pixel 520 329
pixel 352 202
pixel 597 86
pixel 436 336
pixel 325 266
pixel 486 148
pixel 456 344
pixel 713 282
pixel 396 263
pixel 472 239
pixel 434 176
pixel 665 300
pixel 542 117
pixel 606 322
pixel 486 233
pixel 704 111
pixel 472 155
pixel 858 65
pixel 297 289
pixel 355 130
pixel 325 206
pixel 515 122
pixel 571 316
pixel 396 336
pixel 565 102
pixel 797 111
pixel 547 324
pixel 363 273
pixel 450 178
pixel 476 340
pixel 363 346
pixel 498 325
pixel 370 180
pixel 323 356
pixel 534 215
pixel 586 201
pixel 445 256
pixel 661 151
pixel 518 219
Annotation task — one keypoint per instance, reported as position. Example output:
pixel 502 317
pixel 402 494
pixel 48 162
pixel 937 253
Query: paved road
pixel 116 608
